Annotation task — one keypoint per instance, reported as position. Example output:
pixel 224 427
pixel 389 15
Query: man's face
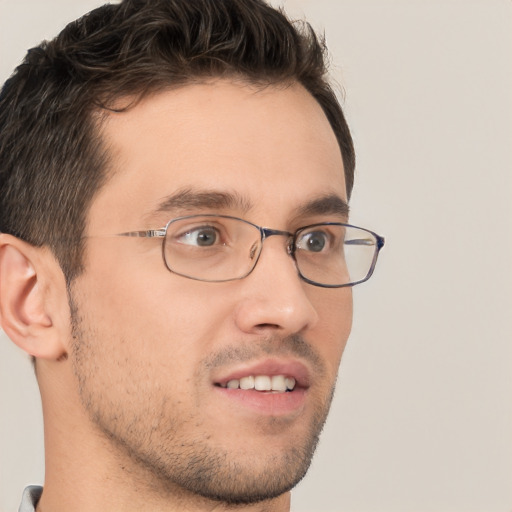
pixel 154 351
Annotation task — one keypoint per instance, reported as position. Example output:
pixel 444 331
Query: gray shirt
pixel 30 498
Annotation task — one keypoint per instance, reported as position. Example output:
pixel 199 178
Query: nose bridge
pixel 267 233
pixel 275 297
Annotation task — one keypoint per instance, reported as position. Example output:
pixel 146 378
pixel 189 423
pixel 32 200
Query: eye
pixel 313 241
pixel 201 236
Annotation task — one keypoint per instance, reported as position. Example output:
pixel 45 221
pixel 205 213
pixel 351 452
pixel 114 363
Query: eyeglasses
pixel 218 248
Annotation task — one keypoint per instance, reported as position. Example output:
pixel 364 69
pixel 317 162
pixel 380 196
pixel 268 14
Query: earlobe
pixel 25 315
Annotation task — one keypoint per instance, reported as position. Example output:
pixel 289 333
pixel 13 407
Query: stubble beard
pixel 175 460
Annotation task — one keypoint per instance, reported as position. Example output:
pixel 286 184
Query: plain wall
pixel 422 418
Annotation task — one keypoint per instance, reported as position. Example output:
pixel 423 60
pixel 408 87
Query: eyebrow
pixel 330 204
pixel 191 200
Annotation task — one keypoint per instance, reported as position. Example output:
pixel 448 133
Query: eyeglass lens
pixel 221 248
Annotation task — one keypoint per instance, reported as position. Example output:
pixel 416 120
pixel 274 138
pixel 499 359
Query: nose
pixel 274 298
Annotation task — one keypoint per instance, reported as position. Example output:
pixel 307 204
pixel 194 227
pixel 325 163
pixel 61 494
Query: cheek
pixel 163 315
pixel 335 323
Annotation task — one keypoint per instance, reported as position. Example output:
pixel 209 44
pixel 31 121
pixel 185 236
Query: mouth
pixel 272 383
pixel 270 387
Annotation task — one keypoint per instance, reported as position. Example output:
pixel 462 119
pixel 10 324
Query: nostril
pixel 267 326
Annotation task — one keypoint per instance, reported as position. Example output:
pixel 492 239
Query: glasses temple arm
pixel 150 233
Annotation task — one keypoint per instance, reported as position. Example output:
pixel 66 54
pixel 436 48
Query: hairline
pixel 99 115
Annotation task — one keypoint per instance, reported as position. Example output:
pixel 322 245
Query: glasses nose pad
pixel 290 247
pixel 253 253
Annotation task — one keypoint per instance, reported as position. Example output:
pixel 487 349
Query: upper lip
pixel 289 368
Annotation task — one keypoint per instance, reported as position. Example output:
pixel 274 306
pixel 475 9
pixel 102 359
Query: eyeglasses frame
pixel 264 234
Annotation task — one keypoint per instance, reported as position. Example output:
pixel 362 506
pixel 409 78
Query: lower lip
pixel 266 403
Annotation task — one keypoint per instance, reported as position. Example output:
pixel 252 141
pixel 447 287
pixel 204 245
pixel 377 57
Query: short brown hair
pixel 52 160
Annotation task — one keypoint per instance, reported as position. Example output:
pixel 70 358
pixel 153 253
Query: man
pixel 186 356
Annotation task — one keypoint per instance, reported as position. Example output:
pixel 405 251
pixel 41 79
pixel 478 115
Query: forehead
pixel 272 148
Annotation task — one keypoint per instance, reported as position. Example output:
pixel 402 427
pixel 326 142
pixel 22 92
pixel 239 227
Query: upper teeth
pixel 263 383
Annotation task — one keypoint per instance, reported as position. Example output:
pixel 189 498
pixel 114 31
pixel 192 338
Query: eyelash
pixel 195 229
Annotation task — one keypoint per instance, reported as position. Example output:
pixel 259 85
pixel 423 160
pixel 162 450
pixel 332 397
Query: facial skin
pixel 150 349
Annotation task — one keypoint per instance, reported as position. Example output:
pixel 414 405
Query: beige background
pixel 422 419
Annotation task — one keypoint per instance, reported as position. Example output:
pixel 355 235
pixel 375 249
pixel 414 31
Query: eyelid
pixel 322 219
pixel 331 235
pixel 308 232
pixel 181 234
pixel 192 224
pixel 323 228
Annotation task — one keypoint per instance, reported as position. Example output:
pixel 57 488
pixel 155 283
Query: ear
pixel 32 293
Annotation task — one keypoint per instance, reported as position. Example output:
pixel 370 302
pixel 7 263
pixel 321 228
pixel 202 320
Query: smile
pixel 274 387
pixel 274 383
